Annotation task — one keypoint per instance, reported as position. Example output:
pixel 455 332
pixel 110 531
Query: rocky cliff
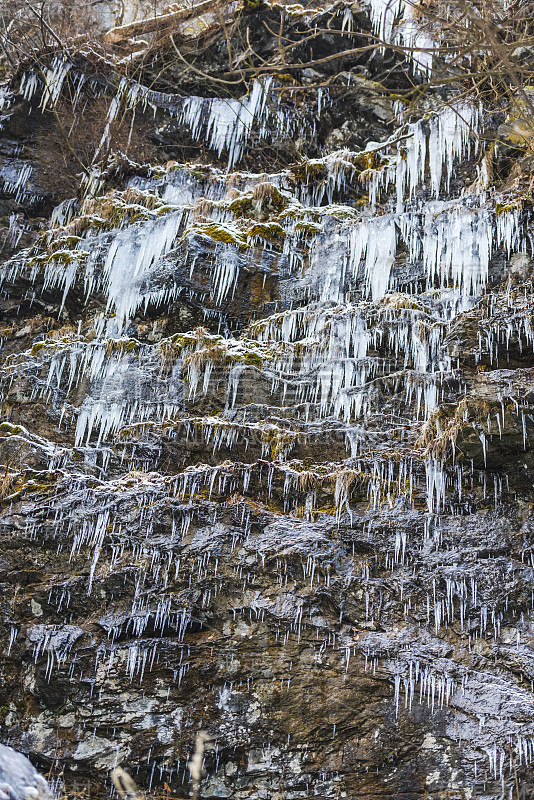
pixel 267 384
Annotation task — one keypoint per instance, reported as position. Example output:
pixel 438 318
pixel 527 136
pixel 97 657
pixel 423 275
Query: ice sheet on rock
pixel 340 170
pixel 7 97
pixel 380 247
pixel 384 15
pixel 130 263
pixel 29 84
pixel 449 135
pixel 223 124
pixel 54 78
pixel 54 640
pixel 436 485
pixel 181 188
pixel 398 22
pixel 226 273
pixel 126 393
pixel 124 388
pixel 135 272
pixel 184 184
pixel 16 175
pixel 450 139
pixel 352 331
pixel 333 357
pixel 64 212
pixel 456 247
pixel 454 242
pixel 416 37
pixel 124 382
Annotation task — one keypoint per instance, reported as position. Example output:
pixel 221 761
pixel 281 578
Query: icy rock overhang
pixel 267 447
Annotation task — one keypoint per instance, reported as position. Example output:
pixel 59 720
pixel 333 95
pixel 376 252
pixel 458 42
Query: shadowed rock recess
pixel 267 435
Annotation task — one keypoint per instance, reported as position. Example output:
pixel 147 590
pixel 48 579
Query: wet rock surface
pixel 267 431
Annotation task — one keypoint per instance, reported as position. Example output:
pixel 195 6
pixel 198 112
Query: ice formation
pixel 223 124
pixel 398 22
pixel 356 363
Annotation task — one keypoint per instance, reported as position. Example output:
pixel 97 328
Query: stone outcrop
pixel 267 422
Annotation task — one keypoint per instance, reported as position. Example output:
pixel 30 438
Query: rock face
pixel 267 430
